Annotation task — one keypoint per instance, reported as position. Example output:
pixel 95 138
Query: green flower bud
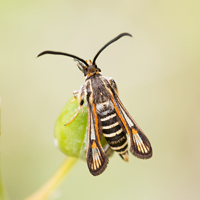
pixel 72 138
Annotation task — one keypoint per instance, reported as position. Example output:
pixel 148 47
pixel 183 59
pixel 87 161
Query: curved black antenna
pixel 113 40
pixel 64 54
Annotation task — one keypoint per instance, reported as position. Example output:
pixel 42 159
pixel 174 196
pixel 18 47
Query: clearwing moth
pixel 107 116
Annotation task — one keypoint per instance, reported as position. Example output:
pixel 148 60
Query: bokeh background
pixel 158 76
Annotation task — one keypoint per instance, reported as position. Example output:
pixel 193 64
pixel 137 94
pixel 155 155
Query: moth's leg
pixel 80 94
pixel 75 94
pixel 113 85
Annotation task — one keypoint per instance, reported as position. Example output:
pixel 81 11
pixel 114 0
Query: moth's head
pixel 88 68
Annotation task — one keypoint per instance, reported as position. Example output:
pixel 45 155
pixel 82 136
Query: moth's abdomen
pixel 114 133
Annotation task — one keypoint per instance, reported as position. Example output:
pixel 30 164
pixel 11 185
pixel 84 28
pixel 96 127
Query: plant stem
pixel 2 195
pixel 45 191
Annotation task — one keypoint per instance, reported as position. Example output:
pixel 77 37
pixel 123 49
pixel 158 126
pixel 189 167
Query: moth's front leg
pixel 75 94
pixel 80 94
pixel 113 85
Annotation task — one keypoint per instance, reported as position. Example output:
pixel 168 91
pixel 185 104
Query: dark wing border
pixel 96 158
pixel 140 145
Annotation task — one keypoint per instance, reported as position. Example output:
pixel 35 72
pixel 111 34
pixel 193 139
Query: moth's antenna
pixel 64 54
pixel 113 40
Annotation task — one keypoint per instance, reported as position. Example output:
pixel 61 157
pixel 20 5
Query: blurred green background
pixel 158 76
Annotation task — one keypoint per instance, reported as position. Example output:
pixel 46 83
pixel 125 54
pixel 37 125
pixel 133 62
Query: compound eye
pixel 99 70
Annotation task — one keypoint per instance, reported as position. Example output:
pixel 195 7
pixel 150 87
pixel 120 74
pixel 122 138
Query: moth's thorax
pixel 98 88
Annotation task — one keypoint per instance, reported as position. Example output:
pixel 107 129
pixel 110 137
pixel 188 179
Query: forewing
pixel 140 145
pixel 96 158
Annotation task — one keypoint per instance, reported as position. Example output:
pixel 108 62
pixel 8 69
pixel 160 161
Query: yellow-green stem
pixel 45 191
pixel 2 193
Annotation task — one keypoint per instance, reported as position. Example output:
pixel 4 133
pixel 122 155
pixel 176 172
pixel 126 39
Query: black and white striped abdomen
pixel 114 132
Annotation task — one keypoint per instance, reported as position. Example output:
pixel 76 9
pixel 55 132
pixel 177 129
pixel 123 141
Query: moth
pixel 107 116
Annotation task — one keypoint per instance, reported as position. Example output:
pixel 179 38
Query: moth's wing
pixel 96 158
pixel 140 145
